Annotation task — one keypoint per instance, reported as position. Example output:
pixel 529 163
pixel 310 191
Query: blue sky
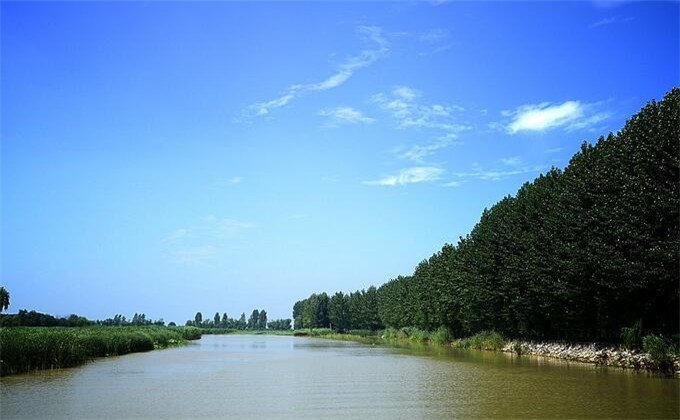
pixel 220 156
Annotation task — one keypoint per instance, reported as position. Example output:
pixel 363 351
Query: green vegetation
pixel 29 348
pixel 226 325
pixel 485 340
pixel 661 351
pixel 631 337
pixel 4 299
pixel 577 254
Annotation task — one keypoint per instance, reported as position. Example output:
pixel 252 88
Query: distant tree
pixel 298 309
pixel 216 319
pixel 198 319
pixel 254 320
pixel 338 315
pixel 279 324
pixel 262 321
pixel 172 324
pixel 4 299
pixel 241 325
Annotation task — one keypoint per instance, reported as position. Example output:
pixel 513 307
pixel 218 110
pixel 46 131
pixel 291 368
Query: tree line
pixel 256 321
pixel 576 254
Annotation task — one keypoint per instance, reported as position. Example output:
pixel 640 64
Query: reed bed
pixel 23 349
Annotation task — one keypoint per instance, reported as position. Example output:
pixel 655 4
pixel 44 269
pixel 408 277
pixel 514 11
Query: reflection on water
pixel 244 376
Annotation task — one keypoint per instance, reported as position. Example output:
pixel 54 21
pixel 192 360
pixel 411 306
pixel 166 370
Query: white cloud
pixel 408 113
pixel 226 183
pixel 512 161
pixel 405 92
pixel 571 115
pixel 344 72
pixel 453 184
pixel 412 175
pixel 433 35
pixel 417 153
pixel 345 114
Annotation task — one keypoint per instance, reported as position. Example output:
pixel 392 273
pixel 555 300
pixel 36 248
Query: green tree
pixel 262 320
pixel 253 321
pixel 4 299
pixel 198 319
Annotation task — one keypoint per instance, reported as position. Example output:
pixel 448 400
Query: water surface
pixel 259 377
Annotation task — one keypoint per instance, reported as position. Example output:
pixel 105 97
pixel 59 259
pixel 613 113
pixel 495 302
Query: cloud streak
pixel 345 114
pixel 570 115
pixel 345 71
pixel 408 113
pixel 414 175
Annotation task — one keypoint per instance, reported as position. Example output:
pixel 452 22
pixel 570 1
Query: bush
pixel 631 337
pixel 661 351
pixel 442 335
pixel 485 340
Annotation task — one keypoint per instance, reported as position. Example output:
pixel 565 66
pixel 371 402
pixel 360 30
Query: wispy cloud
pixel 203 241
pixel 501 169
pixel 412 175
pixel 345 114
pixel 609 21
pixel 228 182
pixel 436 50
pixel 418 153
pixel 570 115
pixel 434 35
pixel 408 113
pixel 344 72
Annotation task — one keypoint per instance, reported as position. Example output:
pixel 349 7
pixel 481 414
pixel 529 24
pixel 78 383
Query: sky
pixel 172 157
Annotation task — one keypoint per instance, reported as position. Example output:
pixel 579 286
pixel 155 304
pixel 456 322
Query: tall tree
pixel 253 321
pixel 4 299
pixel 198 319
pixel 262 320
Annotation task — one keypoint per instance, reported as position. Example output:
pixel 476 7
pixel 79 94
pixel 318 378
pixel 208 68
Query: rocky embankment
pixel 588 353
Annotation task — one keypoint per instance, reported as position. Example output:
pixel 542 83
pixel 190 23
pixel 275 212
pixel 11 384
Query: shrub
pixel 485 340
pixel 661 351
pixel 631 337
pixel 442 335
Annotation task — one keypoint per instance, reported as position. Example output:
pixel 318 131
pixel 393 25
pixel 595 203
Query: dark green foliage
pixel 631 337
pixel 357 311
pixel 576 254
pixel 4 299
pixel 254 320
pixel 661 351
pixel 26 318
pixel 279 324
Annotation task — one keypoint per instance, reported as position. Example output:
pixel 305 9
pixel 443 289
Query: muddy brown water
pixel 263 377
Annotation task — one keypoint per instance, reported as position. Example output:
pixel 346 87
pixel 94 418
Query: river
pixel 261 377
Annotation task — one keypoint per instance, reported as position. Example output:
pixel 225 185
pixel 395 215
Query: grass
pixel 23 349
pixel 485 340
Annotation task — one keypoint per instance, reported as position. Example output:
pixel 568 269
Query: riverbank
pixel 24 349
pixel 597 354
pixel 659 360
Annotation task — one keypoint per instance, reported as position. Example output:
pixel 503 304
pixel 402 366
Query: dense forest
pixel 576 254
